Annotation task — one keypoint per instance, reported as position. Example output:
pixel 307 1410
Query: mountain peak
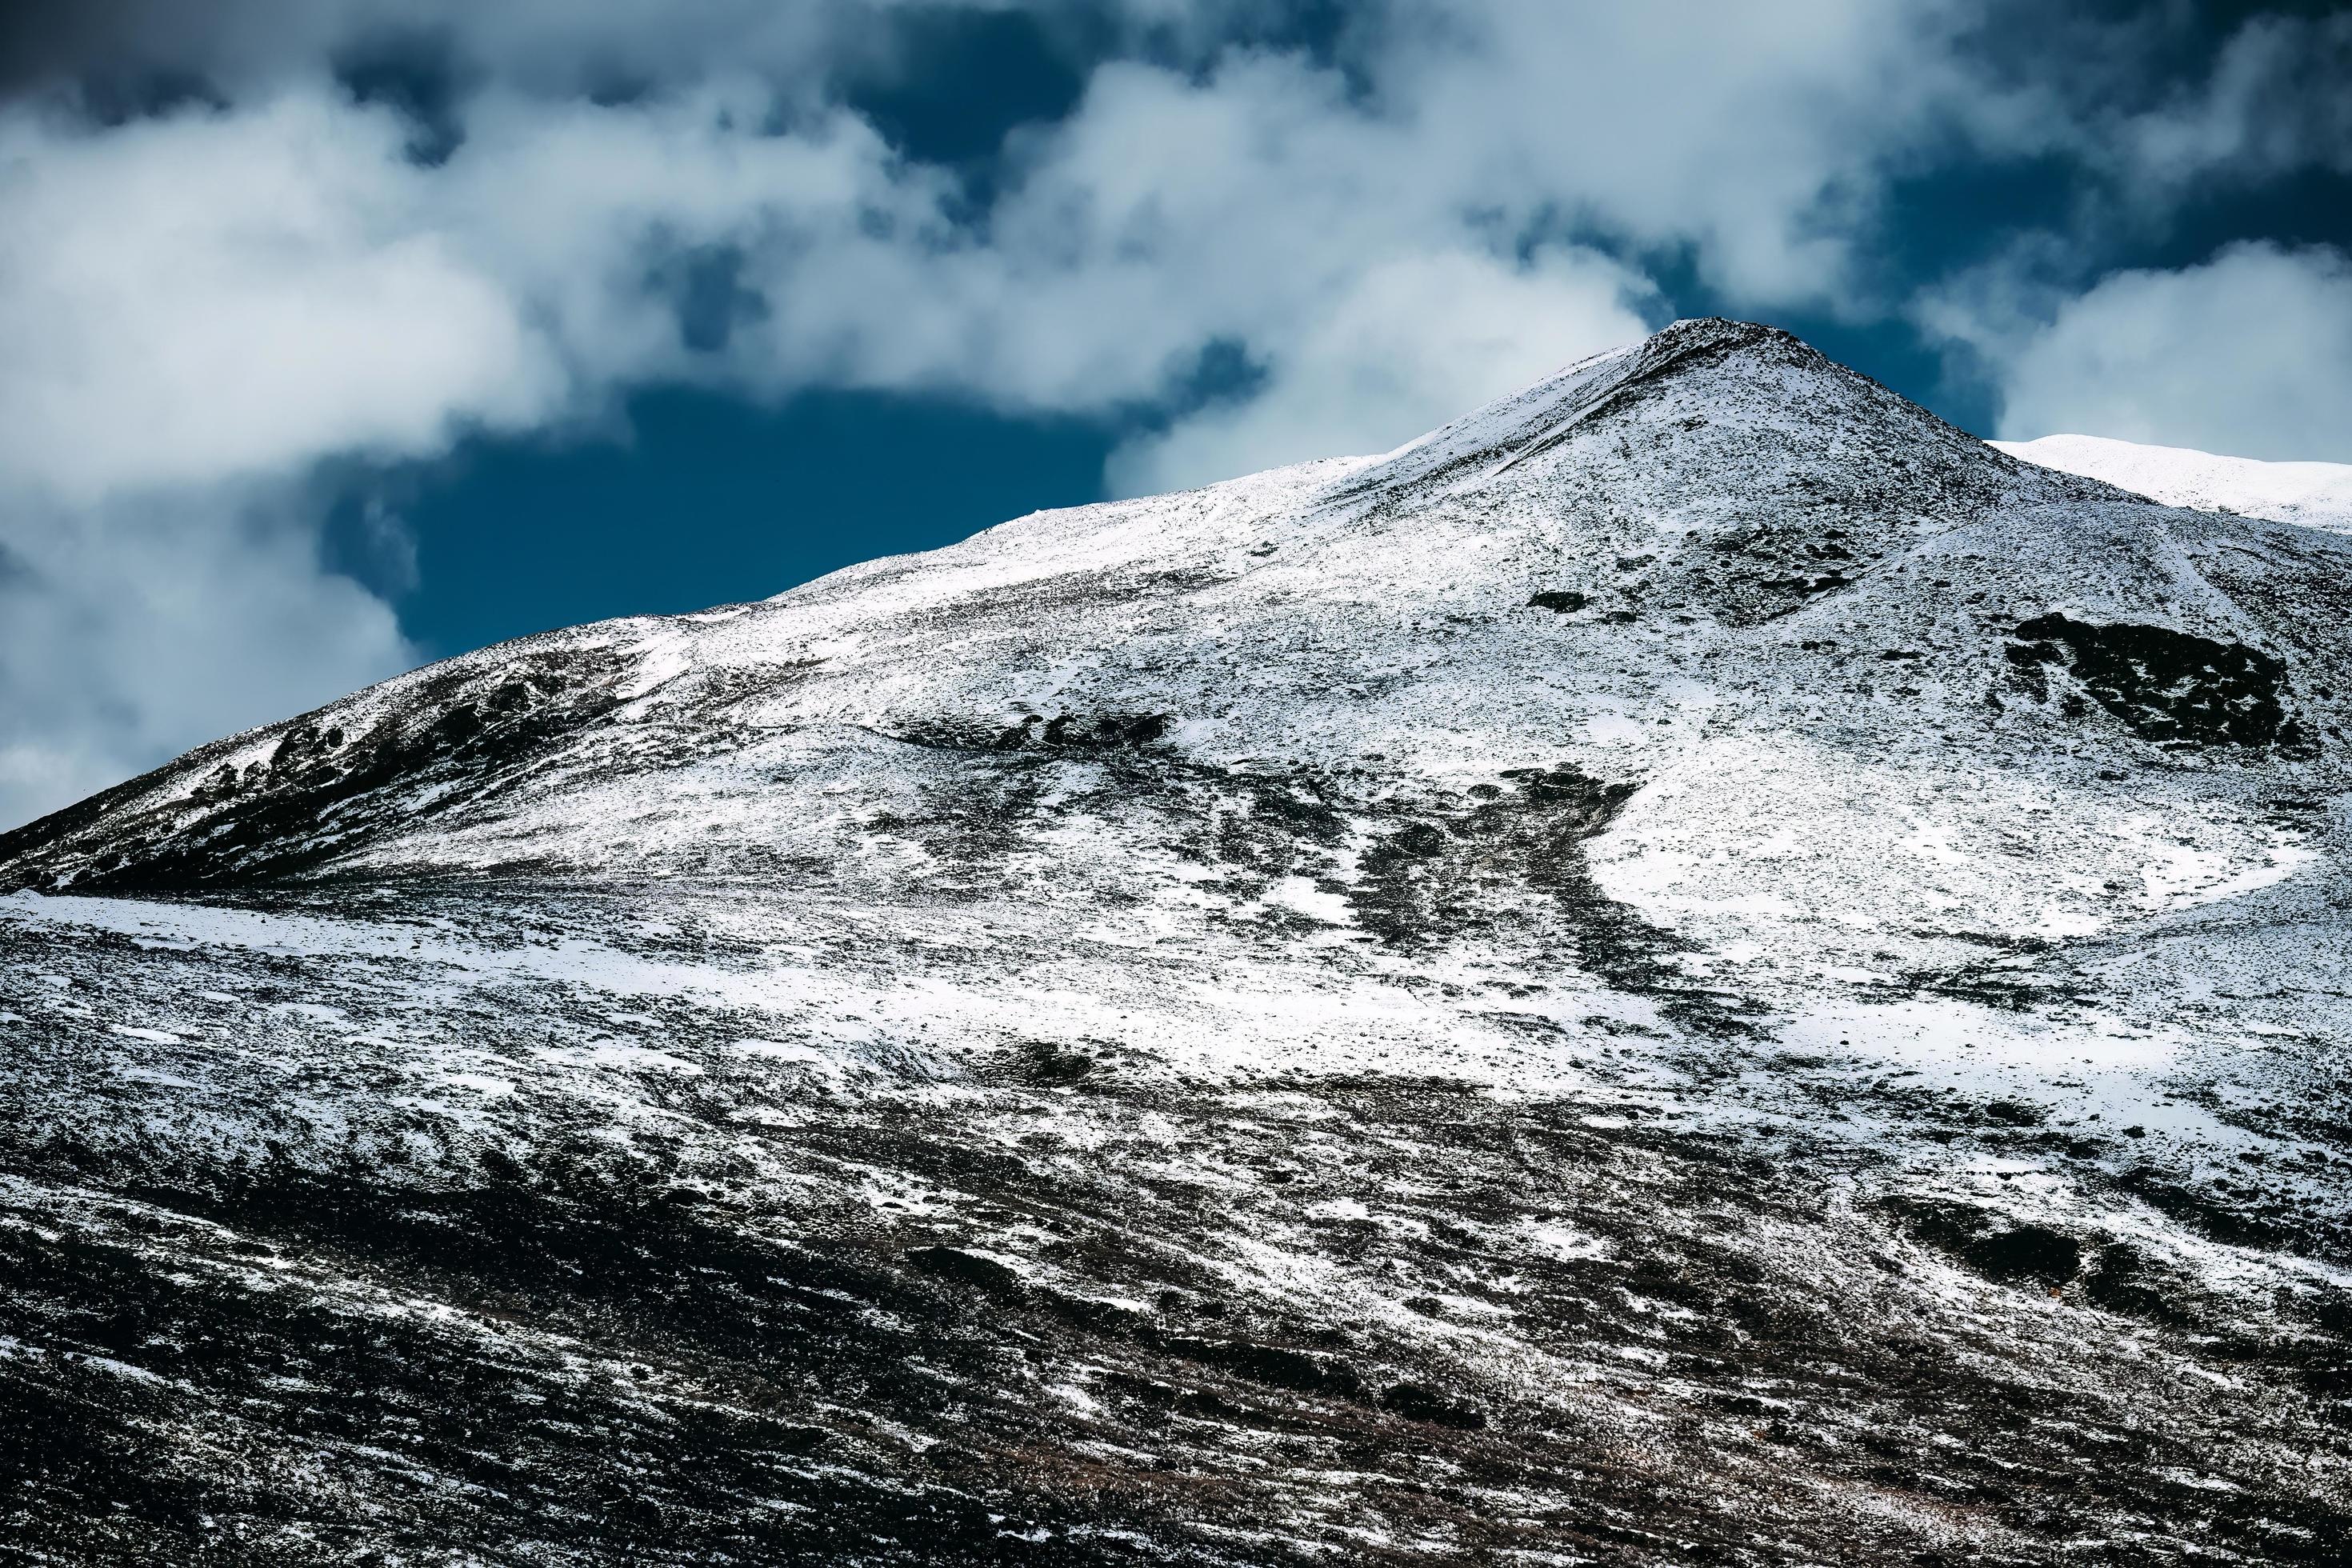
pixel 1718 370
pixel 1692 337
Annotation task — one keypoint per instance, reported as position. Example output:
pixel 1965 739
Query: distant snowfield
pixel 2316 495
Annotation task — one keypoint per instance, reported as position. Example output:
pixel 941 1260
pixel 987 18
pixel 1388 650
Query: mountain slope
pixel 1695 966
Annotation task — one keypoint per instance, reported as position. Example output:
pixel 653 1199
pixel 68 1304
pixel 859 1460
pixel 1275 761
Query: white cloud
pixel 136 628
pixel 1758 136
pixel 2249 354
pixel 220 295
pixel 1408 345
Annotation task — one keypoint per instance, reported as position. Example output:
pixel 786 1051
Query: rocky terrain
pixel 1696 967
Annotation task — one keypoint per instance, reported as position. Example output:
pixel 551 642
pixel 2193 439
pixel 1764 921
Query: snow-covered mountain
pixel 1695 966
pixel 2318 495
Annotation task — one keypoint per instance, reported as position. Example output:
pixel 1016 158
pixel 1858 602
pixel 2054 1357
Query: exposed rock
pixel 2168 686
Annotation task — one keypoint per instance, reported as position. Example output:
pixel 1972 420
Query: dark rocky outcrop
pixel 2171 686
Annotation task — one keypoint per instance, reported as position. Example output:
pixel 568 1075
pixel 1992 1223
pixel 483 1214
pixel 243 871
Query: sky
pixel 341 335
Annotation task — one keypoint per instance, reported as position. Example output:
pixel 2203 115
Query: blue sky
pixel 341 334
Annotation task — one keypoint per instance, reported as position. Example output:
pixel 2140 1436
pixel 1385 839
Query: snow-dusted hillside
pixel 2316 495
pixel 1697 966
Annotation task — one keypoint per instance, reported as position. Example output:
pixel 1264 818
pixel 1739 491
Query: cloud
pixel 2248 354
pixel 1753 140
pixel 218 295
pixel 244 48
pixel 1408 345
pixel 247 288
pixel 2274 103
pixel 136 628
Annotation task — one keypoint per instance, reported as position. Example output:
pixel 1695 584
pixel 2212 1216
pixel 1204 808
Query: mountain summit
pixel 1695 966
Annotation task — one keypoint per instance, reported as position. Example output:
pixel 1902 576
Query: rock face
pixel 1695 967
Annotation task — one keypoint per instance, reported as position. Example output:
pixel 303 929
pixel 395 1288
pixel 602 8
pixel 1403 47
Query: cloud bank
pixel 239 243
pixel 2245 354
